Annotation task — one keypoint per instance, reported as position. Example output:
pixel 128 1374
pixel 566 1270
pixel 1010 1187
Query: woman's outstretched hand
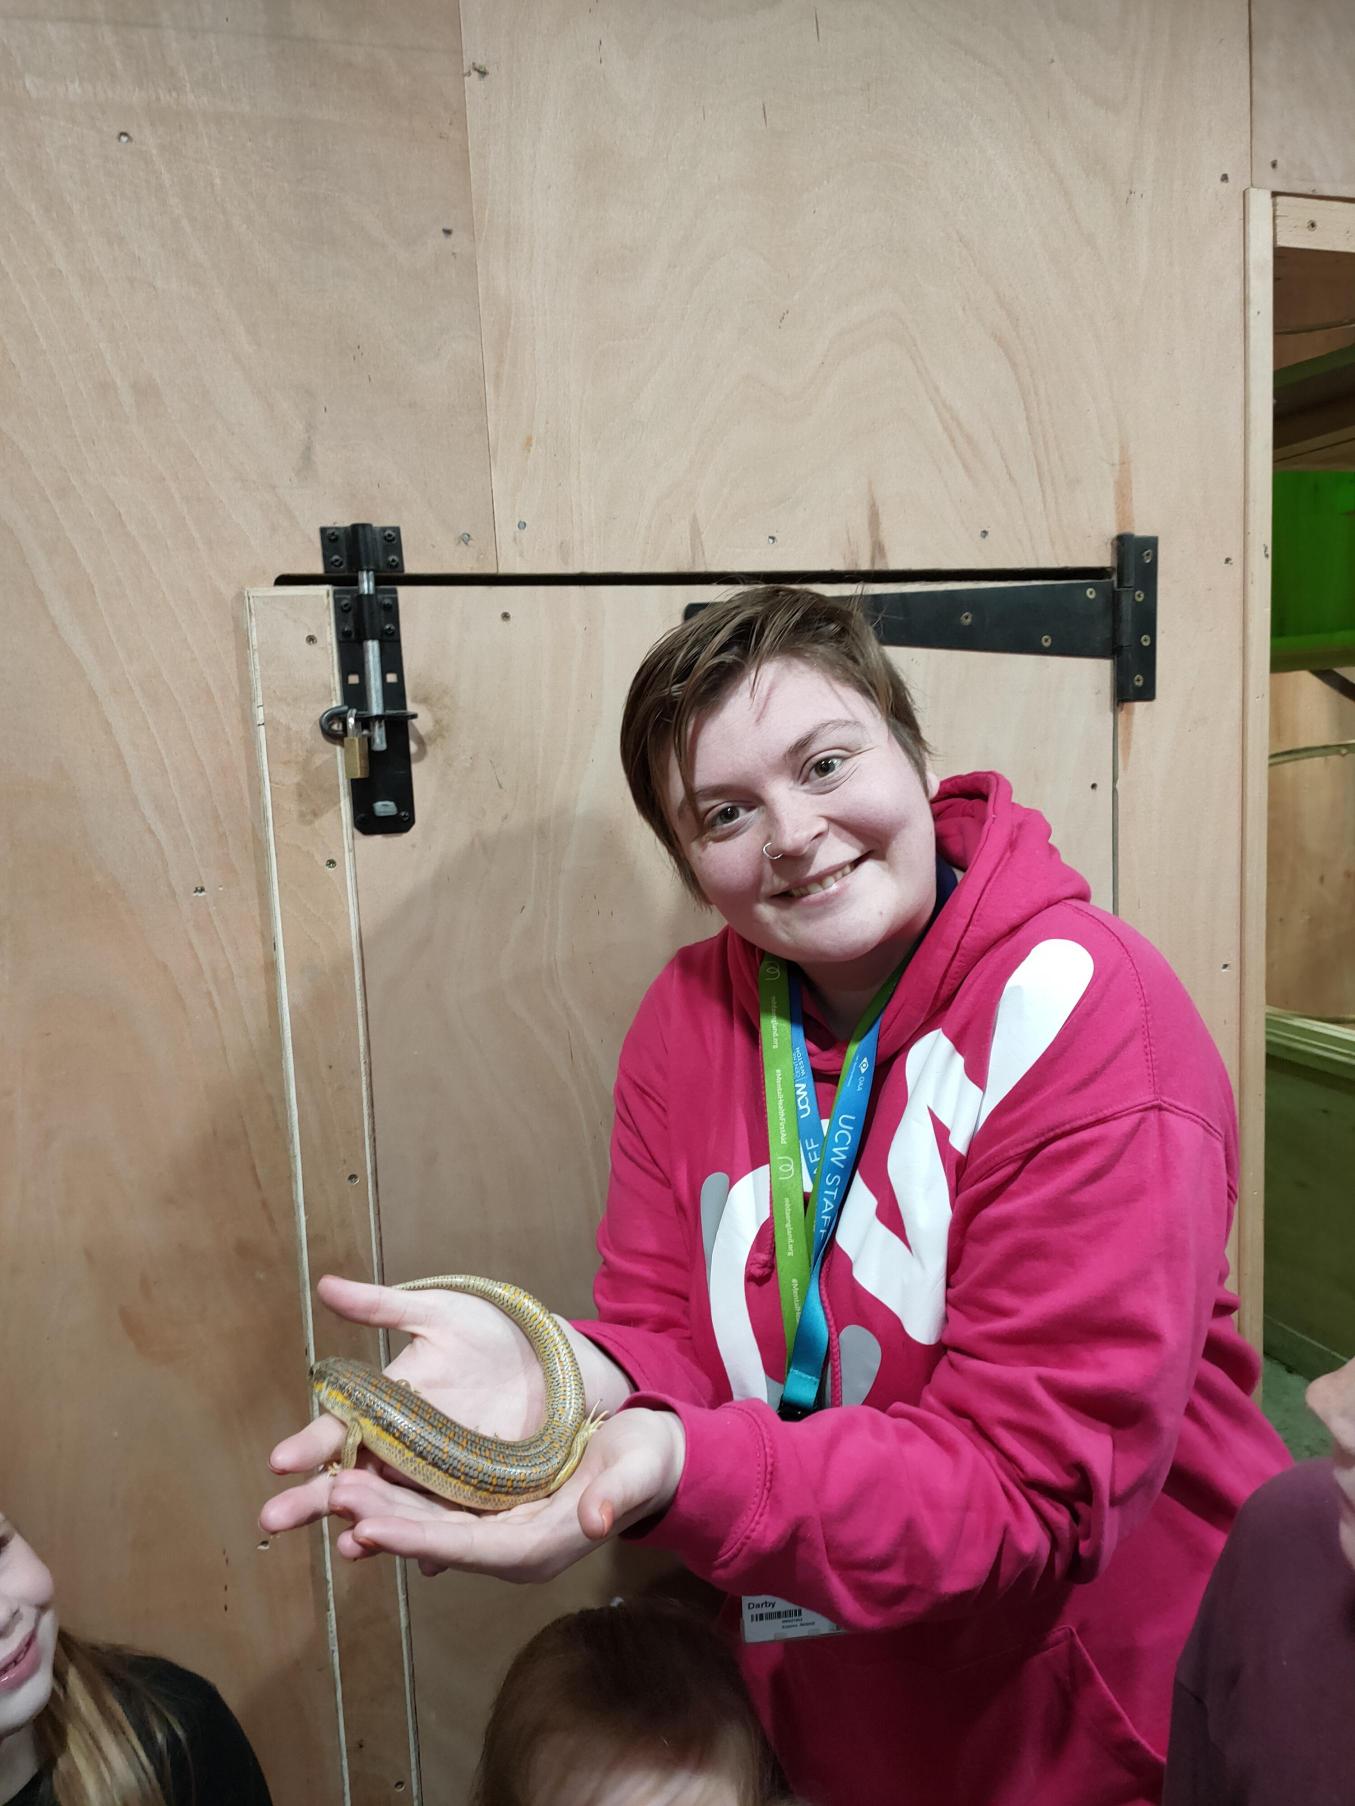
pixel 474 1364
pixel 630 1470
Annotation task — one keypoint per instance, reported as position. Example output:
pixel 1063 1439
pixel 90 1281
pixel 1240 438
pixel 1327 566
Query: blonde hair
pixel 598 1694
pixel 696 665
pixel 106 1735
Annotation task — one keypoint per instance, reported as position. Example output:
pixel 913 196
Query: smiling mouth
pixel 829 881
pixel 8 1668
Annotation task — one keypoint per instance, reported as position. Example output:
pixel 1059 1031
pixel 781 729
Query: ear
pixel 933 784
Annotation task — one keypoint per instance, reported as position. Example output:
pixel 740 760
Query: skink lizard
pixel 466 1466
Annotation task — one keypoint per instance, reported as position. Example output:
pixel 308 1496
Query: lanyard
pixel 794 1128
pixel 802 1238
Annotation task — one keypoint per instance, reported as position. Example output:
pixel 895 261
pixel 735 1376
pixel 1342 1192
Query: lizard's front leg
pixel 352 1442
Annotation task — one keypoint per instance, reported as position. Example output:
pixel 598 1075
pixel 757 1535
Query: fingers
pixel 304 1504
pixel 362 1492
pixel 430 1544
pixel 520 1548
pixel 635 1472
pixel 320 1441
pixel 381 1306
pixel 597 1514
pixel 619 1497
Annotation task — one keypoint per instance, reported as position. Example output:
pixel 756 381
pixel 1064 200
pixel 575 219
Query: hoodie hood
pixel 1009 872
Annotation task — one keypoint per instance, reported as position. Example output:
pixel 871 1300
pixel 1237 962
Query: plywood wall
pixel 1310 928
pixel 1303 96
pixel 238 300
pixel 624 286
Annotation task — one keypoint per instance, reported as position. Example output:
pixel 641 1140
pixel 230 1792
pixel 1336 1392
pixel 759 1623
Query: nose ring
pixel 767 850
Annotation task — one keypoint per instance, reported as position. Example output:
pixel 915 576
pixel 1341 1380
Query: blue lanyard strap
pixel 830 1170
pixel 829 1160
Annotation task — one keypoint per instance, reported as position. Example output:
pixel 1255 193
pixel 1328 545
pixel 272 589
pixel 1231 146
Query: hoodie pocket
pixel 1032 1726
pixel 1048 1731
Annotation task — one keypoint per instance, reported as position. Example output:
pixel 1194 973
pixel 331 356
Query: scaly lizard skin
pixel 482 1472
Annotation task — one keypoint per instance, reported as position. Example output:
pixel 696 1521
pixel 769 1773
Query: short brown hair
pixel 643 1683
pixel 695 666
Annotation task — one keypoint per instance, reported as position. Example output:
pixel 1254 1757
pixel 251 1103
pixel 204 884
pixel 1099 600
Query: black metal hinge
pixel 1109 614
pixel 1135 648
pixel 1091 612
pixel 371 720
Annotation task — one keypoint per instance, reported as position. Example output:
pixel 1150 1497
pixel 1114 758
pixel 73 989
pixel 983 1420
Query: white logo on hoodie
pixel 908 1278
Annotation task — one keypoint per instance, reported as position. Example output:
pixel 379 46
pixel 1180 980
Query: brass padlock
pixel 355 747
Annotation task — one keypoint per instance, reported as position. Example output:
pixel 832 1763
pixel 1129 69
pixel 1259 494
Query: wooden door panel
pixel 504 944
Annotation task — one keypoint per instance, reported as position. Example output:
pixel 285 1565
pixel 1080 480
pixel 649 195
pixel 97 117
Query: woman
pixel 85 1725
pixel 911 1423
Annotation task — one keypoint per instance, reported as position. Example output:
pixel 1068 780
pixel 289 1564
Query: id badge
pixel 767 1619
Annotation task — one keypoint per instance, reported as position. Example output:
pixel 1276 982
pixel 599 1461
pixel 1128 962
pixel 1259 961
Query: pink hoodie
pixel 1035 1367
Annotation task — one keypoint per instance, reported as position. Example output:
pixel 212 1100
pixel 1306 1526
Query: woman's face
pixel 800 762
pixel 27 1632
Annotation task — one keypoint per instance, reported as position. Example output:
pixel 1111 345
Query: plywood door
pixel 774 286
pixel 504 944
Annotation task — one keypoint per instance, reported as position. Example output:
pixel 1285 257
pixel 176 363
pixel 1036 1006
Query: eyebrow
pixel 795 751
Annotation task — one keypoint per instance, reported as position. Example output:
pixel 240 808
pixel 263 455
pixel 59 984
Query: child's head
pixel 636 1704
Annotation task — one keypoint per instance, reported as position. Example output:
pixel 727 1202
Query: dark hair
pixel 639 1684
pixel 695 666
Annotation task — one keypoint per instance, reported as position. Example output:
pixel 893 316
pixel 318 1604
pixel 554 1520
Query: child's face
pixel 648 1787
pixel 27 1632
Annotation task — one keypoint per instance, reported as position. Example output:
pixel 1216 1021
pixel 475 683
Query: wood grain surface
pixel 1303 92
pixel 507 940
pixel 782 286
pixel 970 293
pixel 1310 951
pixel 1248 1234
pixel 309 865
pixel 752 285
pixel 231 314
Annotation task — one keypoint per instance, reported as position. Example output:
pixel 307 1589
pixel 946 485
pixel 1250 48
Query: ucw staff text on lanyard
pixel 804 1234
